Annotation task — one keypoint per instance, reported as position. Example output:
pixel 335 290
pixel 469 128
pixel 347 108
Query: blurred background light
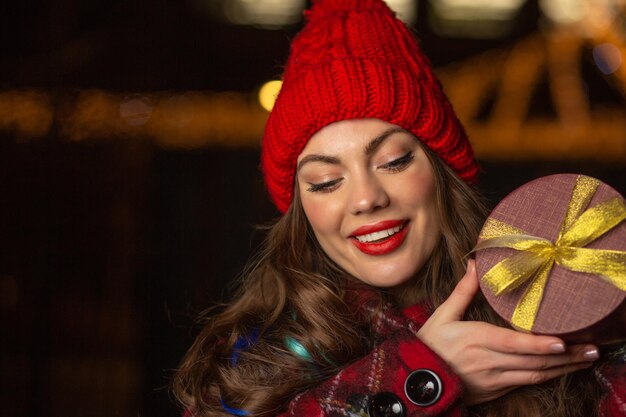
pixel 178 111
pixel 473 18
pixel 269 14
pixel 275 14
pixel 405 9
pixel 608 58
pixel 564 11
pixel 95 113
pixel 28 114
pixel 135 109
pixel 268 93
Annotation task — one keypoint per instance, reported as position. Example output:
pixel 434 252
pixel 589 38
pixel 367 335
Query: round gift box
pixel 575 305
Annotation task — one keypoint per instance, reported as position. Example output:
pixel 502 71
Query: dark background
pixel 109 248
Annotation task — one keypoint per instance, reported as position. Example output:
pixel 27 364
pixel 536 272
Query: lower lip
pixel 384 247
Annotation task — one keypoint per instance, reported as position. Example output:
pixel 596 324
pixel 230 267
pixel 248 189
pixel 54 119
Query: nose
pixel 368 195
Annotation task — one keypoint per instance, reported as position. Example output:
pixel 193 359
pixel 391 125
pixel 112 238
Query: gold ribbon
pixel 536 255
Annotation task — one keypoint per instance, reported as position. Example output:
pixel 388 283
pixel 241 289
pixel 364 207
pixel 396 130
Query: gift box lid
pixel 551 257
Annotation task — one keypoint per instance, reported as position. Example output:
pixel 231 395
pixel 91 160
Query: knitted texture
pixel 354 60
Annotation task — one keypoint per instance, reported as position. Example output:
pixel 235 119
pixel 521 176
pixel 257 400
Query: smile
pixel 383 234
pixel 381 238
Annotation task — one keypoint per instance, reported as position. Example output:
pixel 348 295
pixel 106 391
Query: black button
pixel 386 404
pixel 423 387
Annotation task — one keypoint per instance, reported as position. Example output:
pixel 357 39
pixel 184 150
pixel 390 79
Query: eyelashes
pixel 325 187
pixel 397 165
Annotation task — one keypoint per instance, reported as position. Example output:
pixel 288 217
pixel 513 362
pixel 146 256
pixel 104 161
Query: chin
pixel 386 280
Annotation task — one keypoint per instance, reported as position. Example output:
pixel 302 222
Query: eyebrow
pixel 375 143
pixel 370 148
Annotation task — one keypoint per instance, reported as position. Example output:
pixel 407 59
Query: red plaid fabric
pixel 611 374
pixel 388 365
pixel 385 369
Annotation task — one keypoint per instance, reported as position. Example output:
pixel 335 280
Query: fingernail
pixel 591 354
pixel 557 347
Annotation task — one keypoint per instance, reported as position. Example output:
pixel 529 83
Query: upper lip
pixel 376 227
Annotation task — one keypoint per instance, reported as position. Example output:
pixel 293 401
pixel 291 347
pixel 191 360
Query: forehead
pixel 345 135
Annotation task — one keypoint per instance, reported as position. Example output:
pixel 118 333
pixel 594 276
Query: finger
pixel 503 340
pixel 461 297
pixel 522 377
pixel 506 362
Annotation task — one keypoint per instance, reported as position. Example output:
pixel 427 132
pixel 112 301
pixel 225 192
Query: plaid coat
pixel 387 367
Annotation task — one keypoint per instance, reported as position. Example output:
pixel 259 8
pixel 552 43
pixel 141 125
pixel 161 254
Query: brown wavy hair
pixel 291 289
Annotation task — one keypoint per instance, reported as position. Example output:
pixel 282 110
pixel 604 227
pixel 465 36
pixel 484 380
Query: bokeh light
pixel 268 93
pixel 95 113
pixel 405 9
pixel 135 109
pixel 608 58
pixel 28 114
pixel 269 14
pixel 473 18
pixel 177 111
pixel 564 11
pixel 276 14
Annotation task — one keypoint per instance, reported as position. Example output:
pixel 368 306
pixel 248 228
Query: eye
pixel 324 187
pixel 399 164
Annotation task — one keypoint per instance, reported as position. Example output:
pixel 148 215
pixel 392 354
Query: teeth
pixel 371 237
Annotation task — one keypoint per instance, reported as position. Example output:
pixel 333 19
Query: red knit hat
pixel 354 60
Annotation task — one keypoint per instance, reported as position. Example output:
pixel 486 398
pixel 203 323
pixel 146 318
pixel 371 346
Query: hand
pixel 492 360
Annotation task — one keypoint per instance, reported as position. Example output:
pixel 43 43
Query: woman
pixel 352 306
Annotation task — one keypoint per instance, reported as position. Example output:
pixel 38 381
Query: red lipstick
pixel 382 246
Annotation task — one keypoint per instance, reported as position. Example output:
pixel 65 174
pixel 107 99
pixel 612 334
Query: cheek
pixel 421 197
pixel 322 214
pixel 314 213
pixel 418 190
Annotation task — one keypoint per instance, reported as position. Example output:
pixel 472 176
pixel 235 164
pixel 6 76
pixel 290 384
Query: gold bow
pixel 537 255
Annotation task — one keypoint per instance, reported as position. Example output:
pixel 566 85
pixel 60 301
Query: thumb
pixel 462 295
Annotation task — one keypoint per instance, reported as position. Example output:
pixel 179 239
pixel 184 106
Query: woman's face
pixel 368 190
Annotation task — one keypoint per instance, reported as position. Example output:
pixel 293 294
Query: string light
pixel 27 114
pixel 187 120
pixel 136 109
pixel 505 78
